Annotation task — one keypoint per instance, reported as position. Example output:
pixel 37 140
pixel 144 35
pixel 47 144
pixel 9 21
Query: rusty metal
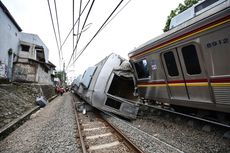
pixel 124 138
pixel 189 116
pixel 79 128
pixel 116 132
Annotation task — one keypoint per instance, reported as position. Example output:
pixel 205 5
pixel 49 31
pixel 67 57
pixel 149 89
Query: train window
pixel 204 4
pixel 88 75
pixel 113 103
pixel 171 64
pixel 191 60
pixel 142 69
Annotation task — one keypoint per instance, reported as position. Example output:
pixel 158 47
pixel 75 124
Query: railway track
pixel 190 116
pixel 98 135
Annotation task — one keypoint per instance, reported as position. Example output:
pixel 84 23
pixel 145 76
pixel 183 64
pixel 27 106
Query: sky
pixel 138 22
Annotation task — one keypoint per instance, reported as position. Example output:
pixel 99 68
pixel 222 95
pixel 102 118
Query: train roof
pixel 180 28
pixel 199 8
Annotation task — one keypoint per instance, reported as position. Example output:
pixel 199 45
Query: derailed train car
pixel 76 83
pixel 109 86
pixel 189 65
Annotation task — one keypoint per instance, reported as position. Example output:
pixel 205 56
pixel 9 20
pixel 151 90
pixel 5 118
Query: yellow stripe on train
pixel 220 84
pixel 152 85
pixel 201 84
pixel 182 38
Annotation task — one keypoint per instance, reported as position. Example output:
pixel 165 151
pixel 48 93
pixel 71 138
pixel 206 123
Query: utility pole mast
pixel 63 75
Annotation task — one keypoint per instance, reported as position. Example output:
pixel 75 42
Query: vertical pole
pixel 63 75
pixel 73 24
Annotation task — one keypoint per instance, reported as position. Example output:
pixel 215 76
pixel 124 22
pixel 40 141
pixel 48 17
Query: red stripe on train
pixel 188 33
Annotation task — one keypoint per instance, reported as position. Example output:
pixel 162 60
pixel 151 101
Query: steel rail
pixel 163 142
pixel 133 147
pixel 79 128
pixel 189 116
pixel 127 141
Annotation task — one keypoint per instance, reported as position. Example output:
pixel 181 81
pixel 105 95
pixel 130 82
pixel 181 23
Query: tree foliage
pixel 62 76
pixel 181 7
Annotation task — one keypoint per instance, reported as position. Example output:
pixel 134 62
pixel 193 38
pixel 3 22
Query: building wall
pixel 24 72
pixel 27 54
pixel 43 77
pixel 9 39
pixel 14 106
pixel 33 40
pixel 12 40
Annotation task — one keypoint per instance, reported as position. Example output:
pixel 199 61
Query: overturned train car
pixel 109 86
pixel 189 65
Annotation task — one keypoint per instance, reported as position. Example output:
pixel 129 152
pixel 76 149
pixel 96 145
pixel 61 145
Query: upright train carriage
pixel 190 64
pixel 109 86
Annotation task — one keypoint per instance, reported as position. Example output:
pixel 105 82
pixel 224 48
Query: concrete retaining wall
pixel 16 99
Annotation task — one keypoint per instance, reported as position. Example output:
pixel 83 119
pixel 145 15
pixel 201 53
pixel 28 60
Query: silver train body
pixel 190 64
pixel 109 86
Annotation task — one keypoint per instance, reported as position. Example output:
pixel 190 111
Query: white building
pixel 9 31
pixel 23 56
pixel 32 63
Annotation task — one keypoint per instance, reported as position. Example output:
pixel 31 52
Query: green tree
pixel 62 76
pixel 181 7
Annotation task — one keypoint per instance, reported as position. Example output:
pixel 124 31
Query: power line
pixel 96 32
pixel 60 49
pixel 83 26
pixel 81 32
pixel 55 34
pixel 75 24
pixel 78 22
pixel 75 48
pixel 116 14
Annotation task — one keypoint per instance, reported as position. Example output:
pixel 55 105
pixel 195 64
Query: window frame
pixel 165 63
pixel 136 71
pixel 24 45
pixel 185 63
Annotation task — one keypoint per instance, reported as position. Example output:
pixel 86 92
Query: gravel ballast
pixel 145 141
pixel 182 134
pixel 186 134
pixel 52 129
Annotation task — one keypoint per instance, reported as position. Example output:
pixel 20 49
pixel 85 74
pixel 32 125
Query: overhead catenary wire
pixel 75 48
pixel 55 34
pixel 116 14
pixel 75 24
pixel 83 26
pixel 80 53
pixel 78 27
pixel 59 35
pixel 81 32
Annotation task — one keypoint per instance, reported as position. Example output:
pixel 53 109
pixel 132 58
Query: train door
pixel 185 73
pixel 193 69
pixel 174 75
